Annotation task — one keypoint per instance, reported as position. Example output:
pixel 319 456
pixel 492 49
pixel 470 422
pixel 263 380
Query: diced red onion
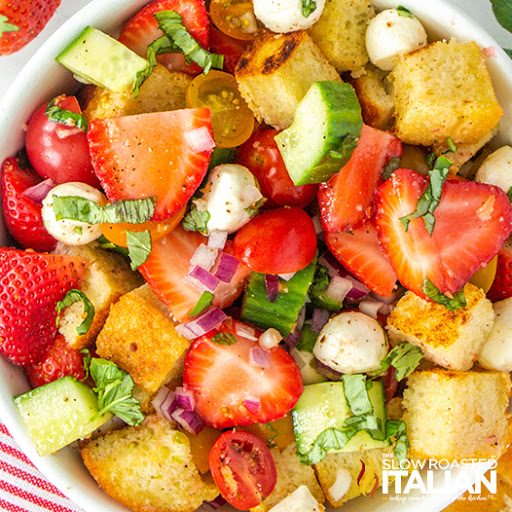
pixel 253 405
pixel 300 319
pixel 245 331
pixel 271 286
pixel 184 399
pixel 162 401
pixel 205 279
pixel 186 332
pixel 217 239
pixel 226 268
pixel 372 308
pixel 204 323
pixel 199 139
pixel 38 192
pixel 287 277
pixel 270 339
pixel 204 257
pixel 298 358
pixel 293 339
pixel 318 224
pixel 327 371
pixel 259 357
pixel 394 297
pixel 189 420
pixel 208 506
pixel 338 288
pixel 358 291
pixel 320 318
pixel 332 265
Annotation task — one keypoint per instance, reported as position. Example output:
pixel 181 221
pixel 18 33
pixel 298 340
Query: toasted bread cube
pixel 275 73
pixel 454 415
pixel 162 91
pixel 291 473
pixel 451 339
pixel 338 474
pixel 340 33
pixel 148 468
pixel 140 337
pixel 300 500
pixel 108 276
pixel 443 91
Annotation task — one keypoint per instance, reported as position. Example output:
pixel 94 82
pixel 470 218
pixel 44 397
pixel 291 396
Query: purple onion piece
pixel 292 340
pixel 204 323
pixel 217 239
pixel 253 405
pixel 206 280
pixel 327 371
pixel 246 331
pixel 189 420
pixel 259 357
pixel 184 399
pixel 300 319
pixel 227 267
pixel 271 286
pixel 320 318
pixel 207 506
pixel 38 192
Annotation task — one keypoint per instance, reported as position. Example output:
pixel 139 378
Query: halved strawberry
pixel 502 285
pixel 359 251
pixel 141 30
pixel 346 200
pixel 31 284
pixel 166 270
pixel 147 155
pixel 22 215
pixel 472 222
pixel 230 390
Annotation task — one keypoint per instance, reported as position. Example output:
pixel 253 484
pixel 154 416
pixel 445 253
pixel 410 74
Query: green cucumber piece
pixel 101 60
pixel 317 292
pixel 283 312
pixel 323 134
pixel 59 413
pixel 307 338
pixel 323 406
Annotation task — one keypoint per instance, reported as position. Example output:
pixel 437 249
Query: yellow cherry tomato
pixel 235 18
pixel 116 233
pixel 484 277
pixel 232 119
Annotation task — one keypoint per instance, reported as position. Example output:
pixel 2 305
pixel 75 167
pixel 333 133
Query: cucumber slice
pixel 283 312
pixel 59 413
pixel 323 134
pixel 324 406
pixel 101 60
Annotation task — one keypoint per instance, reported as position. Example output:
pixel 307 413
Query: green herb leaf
pixel 225 338
pixel 429 201
pixel 402 11
pixel 451 145
pixel 503 12
pixel 508 51
pixel 114 388
pixel 308 6
pixel 204 302
pixel 307 339
pixel 196 220
pixel 70 298
pixel 171 25
pixel 509 193
pixel 397 429
pixel 457 302
pixel 132 211
pixel 221 156
pixel 86 362
pixel 391 167
pixel 404 358
pixel 356 394
pixel 430 159
pixel 110 246
pixel 347 146
pixel 5 26
pixel 66 117
pixel 139 247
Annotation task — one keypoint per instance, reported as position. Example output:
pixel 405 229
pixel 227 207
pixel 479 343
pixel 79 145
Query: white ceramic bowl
pixel 42 78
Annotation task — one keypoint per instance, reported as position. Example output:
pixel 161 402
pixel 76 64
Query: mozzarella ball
pixel 231 197
pixel 351 342
pixel 71 232
pixel 496 169
pixel 286 15
pixel 496 352
pixel 390 35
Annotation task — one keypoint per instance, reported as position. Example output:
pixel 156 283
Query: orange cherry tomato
pixel 116 233
pixel 484 277
pixel 235 18
pixel 232 119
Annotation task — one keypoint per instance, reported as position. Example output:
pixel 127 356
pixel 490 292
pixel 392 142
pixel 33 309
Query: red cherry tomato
pixel 230 47
pixel 277 241
pixel 243 469
pixel 59 151
pixel 262 157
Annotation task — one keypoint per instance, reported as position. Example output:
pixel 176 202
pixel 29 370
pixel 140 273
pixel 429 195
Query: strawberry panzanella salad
pixel 262 249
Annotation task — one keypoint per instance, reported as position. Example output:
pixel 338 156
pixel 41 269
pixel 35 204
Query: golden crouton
pixel 340 33
pixel 454 415
pixel 443 91
pixel 108 276
pixel 374 94
pixel 291 473
pixel 275 73
pixel 163 90
pixel 148 468
pixel 451 339
pixel 140 337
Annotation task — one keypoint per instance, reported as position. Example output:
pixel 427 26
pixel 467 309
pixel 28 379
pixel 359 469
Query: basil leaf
pixel 171 25
pixel 308 6
pixel 402 11
pixel 114 388
pixel 196 220
pixel 405 358
pixel 110 246
pixel 503 11
pixel 397 429
pixel 5 26
pixel 451 145
pixel 63 116
pixel 221 156
pixel 430 159
pixel 508 51
pixel 356 394
pixel 139 247
pixel 204 302
pixel 347 146
pixel 86 362
pixel 70 298
pixel 391 167
pixel 225 338
pixel 457 302
pixel 509 193
pixel 132 211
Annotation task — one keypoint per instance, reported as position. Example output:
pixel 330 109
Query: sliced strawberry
pixel 230 390
pixel 359 251
pixel 31 284
pixel 166 273
pixel 60 361
pixel 502 285
pixel 148 156
pixel 346 200
pixel 22 215
pixel 141 30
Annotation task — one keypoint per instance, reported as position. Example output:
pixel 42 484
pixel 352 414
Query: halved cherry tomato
pixel 235 18
pixel 277 241
pixel 232 119
pixel 484 277
pixel 116 233
pixel 262 157
pixel 57 150
pixel 230 47
pixel 243 469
